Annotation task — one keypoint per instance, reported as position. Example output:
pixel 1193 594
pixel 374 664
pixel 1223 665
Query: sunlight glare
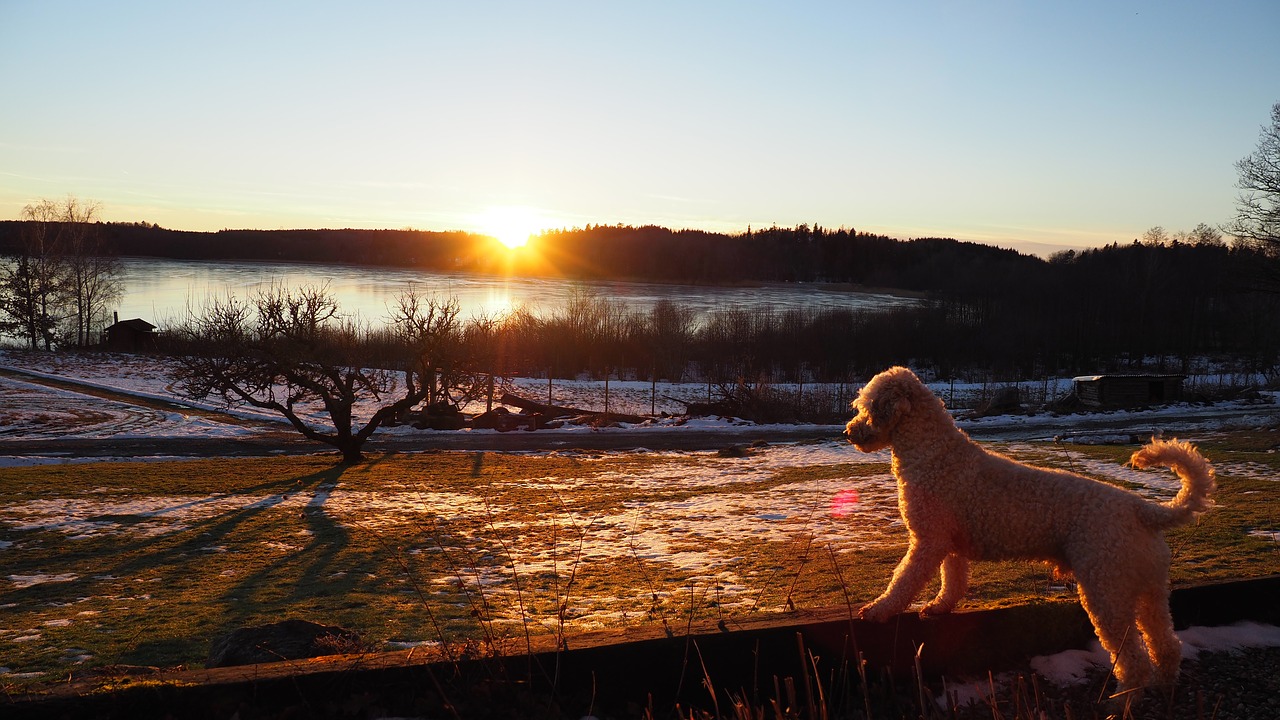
pixel 497 303
pixel 512 226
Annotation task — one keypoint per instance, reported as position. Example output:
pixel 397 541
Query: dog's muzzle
pixel 857 432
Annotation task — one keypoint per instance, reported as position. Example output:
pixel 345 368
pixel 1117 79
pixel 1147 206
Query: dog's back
pixel 999 509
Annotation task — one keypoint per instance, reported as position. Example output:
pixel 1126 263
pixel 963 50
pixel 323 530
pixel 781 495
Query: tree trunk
pixel 557 411
pixel 351 453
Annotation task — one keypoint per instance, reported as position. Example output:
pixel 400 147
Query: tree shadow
pixel 324 579
pixel 308 573
pixel 152 623
pixel 260 594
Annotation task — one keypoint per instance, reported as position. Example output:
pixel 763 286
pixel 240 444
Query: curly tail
pixel 1197 482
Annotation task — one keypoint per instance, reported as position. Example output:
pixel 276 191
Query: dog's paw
pixel 875 612
pixel 935 608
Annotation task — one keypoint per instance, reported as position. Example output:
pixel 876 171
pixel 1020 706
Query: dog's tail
pixel 1197 482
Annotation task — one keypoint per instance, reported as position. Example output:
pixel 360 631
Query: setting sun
pixel 512 226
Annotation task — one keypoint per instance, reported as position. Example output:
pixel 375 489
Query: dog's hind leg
pixel 914 571
pixel 1163 644
pixel 1112 611
pixel 955 583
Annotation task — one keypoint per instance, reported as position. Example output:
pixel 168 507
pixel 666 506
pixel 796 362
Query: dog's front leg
pixel 913 572
pixel 955 583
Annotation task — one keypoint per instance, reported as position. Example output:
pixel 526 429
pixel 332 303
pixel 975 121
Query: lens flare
pixel 845 502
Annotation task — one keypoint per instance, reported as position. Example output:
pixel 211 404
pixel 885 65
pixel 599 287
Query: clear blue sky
pixel 1063 123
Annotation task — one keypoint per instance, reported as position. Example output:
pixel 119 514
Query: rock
pixel 287 640
pixel 454 421
pixel 733 451
pixel 500 419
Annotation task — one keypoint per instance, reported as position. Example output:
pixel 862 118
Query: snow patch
pixel 26 581
pixel 1272 535
pixel 1072 667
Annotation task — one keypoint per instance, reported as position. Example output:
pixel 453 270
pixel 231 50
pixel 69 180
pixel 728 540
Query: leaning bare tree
pixel 289 350
pixel 1257 220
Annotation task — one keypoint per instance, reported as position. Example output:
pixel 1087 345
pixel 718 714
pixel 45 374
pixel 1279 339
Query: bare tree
pixel 670 330
pixel 1257 220
pixel 91 270
pixel 22 299
pixel 446 356
pixel 57 289
pixel 33 284
pixel 286 349
pixel 1204 235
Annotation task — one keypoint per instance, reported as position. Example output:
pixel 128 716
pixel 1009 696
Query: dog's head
pixel 880 407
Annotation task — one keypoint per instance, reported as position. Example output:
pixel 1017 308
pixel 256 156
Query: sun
pixel 511 226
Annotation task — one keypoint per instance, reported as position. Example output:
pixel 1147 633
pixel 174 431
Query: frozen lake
pixel 160 290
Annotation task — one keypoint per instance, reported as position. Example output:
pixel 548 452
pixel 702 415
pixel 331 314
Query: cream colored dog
pixel 961 503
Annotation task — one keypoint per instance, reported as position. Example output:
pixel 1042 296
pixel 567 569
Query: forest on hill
pixel 1080 311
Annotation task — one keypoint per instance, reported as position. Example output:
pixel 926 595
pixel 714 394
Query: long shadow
pixel 193 537
pixel 119 565
pixel 307 573
pixel 168 554
pixel 310 573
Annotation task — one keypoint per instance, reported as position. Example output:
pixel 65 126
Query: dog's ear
pixel 888 407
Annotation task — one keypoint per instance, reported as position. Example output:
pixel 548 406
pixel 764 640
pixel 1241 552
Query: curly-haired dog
pixel 961 503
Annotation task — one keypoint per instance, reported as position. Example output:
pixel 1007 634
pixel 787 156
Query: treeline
pixel 799 254
pixel 441 251
pixel 597 252
pixel 1110 309
pixel 1173 297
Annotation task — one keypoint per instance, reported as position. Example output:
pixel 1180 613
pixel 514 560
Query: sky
pixel 1032 125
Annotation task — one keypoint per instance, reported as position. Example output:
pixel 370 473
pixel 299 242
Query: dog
pixel 961 502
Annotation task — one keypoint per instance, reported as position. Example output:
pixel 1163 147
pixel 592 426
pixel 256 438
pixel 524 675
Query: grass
pixel 152 561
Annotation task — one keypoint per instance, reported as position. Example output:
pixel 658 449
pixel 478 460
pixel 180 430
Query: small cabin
pixel 1128 390
pixel 134 335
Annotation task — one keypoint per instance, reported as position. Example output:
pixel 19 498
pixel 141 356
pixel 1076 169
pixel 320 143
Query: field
pixel 144 563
